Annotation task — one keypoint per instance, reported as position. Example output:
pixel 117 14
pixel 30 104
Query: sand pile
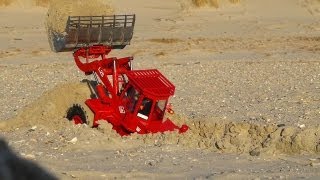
pixel 312 6
pixel 214 134
pixel 5 2
pixel 25 3
pixel 59 10
pixel 187 5
pixel 231 137
pixel 255 138
pixel 51 108
pixel 211 3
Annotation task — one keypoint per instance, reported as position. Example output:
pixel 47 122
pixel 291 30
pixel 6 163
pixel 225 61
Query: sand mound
pixel 5 2
pixel 50 109
pixel 187 5
pixel 211 3
pixel 201 3
pixel 312 6
pixel 231 137
pixel 214 134
pixel 25 3
pixel 59 10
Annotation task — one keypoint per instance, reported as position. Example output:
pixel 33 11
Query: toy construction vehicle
pixel 131 100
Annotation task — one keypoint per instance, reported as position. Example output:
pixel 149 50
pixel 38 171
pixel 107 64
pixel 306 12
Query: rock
pixel 30 156
pixel 151 162
pixel 255 152
pixel 73 140
pixel 33 128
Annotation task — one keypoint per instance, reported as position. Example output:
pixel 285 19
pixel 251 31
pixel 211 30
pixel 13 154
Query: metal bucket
pixel 115 31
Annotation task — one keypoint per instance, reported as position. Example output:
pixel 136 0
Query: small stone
pixel 281 125
pixel 73 140
pixel 302 126
pixel 30 156
pixel 39 153
pixel 151 163
pixel 33 128
pixel 255 152
pixel 33 140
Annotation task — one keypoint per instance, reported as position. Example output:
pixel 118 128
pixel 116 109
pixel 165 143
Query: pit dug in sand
pixel 211 134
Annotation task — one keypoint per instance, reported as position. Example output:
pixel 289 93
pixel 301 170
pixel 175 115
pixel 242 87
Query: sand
pixel 247 84
pixel 25 3
pixel 212 3
pixel 59 11
pixel 214 134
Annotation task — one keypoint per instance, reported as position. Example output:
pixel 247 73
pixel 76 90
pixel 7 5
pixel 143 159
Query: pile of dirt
pixel 188 5
pixel 312 6
pixel 211 3
pixel 5 2
pixel 201 3
pixel 25 3
pixel 235 137
pixel 59 10
pixel 213 134
pixel 50 109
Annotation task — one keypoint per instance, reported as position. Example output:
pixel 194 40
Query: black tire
pixel 83 112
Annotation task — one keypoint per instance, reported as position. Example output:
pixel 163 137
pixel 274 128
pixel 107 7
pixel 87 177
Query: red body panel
pixel 115 102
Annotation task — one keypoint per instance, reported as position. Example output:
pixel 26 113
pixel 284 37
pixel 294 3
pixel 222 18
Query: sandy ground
pixel 247 84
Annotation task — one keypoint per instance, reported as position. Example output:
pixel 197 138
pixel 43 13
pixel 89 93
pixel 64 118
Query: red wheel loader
pixel 131 100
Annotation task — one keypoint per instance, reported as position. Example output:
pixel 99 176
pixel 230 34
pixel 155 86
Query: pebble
pixel 30 156
pixel 33 128
pixel 73 140
pixel 255 152
pixel 151 162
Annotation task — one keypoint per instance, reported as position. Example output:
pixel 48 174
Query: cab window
pixel 132 95
pixel 161 104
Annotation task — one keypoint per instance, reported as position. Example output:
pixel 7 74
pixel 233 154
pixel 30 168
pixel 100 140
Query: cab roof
pixel 151 82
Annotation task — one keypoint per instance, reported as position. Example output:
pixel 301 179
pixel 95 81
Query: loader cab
pixel 143 107
pixel 145 98
pixel 151 109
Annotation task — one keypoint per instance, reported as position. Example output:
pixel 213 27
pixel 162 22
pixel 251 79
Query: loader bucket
pixel 115 31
